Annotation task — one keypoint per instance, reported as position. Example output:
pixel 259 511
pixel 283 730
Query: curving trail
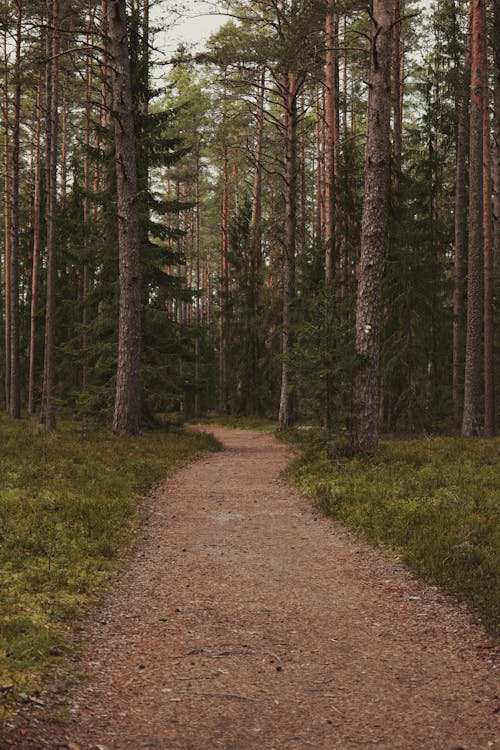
pixel 246 620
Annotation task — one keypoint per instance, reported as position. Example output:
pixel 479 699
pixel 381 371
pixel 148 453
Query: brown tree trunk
pixel 331 138
pixel 127 412
pixel 472 414
pixel 489 319
pixel 49 379
pixel 7 217
pixel 15 382
pixel 224 285
pixel 36 251
pixel 318 137
pixel 364 426
pixel 460 248
pixel 287 400
pixel 496 168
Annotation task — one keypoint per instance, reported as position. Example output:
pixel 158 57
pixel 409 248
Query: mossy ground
pixel 68 507
pixel 434 500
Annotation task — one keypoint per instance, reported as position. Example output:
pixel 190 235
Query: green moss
pixel 68 508
pixel 435 501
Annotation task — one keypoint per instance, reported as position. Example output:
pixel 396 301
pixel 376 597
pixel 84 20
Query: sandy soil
pixel 246 620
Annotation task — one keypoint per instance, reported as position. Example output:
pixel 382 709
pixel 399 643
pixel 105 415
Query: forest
pixel 310 234
pixel 292 229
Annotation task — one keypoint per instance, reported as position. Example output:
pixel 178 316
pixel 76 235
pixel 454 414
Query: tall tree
pixel 52 108
pixel 472 414
pixel 127 411
pixel 364 426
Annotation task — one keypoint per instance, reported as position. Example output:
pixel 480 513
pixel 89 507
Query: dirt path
pixel 246 620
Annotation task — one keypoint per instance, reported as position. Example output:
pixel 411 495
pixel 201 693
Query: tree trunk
pixel 48 404
pixel 36 251
pixel 127 412
pixel 472 417
pixel 332 139
pixel 287 399
pixel 224 286
pixel 7 217
pixel 460 240
pixel 15 382
pixel 496 167
pixel 364 427
pixel 489 320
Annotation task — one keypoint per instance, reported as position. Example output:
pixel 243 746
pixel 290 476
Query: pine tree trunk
pixel 460 245
pixel 332 138
pixel 7 217
pixel 36 251
pixel 224 286
pixel 364 427
pixel 48 405
pixel 472 414
pixel 287 400
pixel 496 169
pixel 15 383
pixel 489 321
pixel 127 412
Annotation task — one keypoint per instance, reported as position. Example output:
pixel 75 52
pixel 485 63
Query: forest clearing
pixel 292 227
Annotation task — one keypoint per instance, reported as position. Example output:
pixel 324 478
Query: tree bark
pixel 489 320
pixel 36 251
pixel 496 168
pixel 364 426
pixel 472 414
pixel 127 411
pixel 49 380
pixel 287 400
pixel 332 138
pixel 7 217
pixel 15 382
pixel 460 242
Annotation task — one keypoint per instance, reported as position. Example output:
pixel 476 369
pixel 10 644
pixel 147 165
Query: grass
pixel 434 501
pixel 68 508
pixel 258 424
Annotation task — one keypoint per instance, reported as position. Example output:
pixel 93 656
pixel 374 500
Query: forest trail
pixel 247 620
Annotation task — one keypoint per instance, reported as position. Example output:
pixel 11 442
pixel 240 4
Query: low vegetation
pixel 68 506
pixel 259 424
pixel 434 501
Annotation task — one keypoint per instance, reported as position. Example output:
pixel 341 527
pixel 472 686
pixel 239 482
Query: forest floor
pixel 246 619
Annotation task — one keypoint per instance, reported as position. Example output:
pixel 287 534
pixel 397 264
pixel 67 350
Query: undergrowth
pixel 68 506
pixel 259 424
pixel 435 501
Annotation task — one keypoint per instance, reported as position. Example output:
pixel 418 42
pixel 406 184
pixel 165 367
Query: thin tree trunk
pixel 15 381
pixel 7 218
pixel 36 251
pixel 364 426
pixel 319 166
pixel 460 245
pixel 489 310
pixel 224 286
pixel 496 167
pixel 48 404
pixel 127 412
pixel 287 400
pixel 472 414
pixel 331 139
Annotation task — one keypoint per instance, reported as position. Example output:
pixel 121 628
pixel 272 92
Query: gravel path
pixel 247 620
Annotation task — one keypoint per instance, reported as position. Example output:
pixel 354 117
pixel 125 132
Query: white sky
pixel 195 21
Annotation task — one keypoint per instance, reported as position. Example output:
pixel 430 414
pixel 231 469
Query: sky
pixel 192 25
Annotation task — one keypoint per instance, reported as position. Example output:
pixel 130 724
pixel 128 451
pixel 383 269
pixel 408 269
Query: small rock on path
pixel 247 620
